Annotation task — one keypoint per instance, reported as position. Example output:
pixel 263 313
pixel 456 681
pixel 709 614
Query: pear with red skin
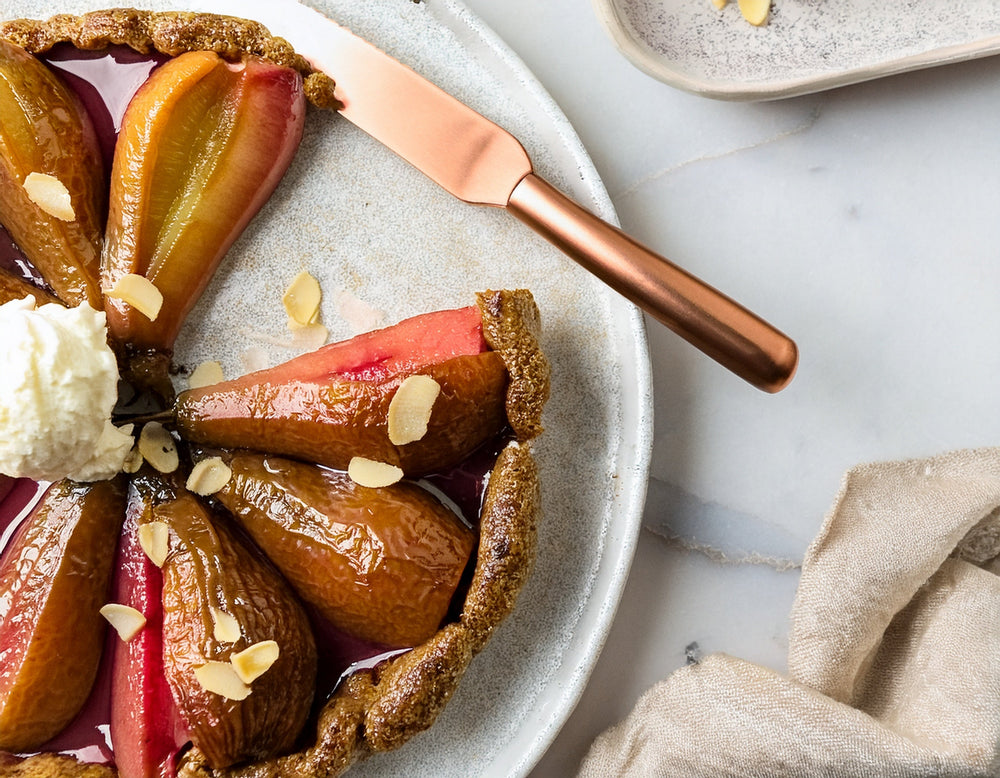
pixel 332 404
pixel 145 730
pixel 380 564
pixel 44 129
pixel 203 144
pixel 210 570
pixel 55 577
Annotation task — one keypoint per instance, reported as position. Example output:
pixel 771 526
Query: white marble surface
pixel 862 221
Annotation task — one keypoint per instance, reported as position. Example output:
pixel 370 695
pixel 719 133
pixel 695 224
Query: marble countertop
pixel 863 222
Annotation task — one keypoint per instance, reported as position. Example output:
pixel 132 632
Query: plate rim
pixel 636 452
pixel 636 52
pixel 622 518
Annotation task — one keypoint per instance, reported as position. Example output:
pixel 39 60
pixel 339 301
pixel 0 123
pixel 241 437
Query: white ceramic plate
pixel 807 46
pixel 385 242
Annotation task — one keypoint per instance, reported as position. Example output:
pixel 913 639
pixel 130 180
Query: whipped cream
pixel 58 385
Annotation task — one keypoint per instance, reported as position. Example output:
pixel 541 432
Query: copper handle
pixel 722 328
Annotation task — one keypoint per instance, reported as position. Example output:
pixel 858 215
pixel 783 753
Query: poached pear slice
pixel 14 288
pixel 380 564
pixel 54 578
pixel 332 404
pixel 45 130
pixel 221 597
pixel 203 144
pixel 145 730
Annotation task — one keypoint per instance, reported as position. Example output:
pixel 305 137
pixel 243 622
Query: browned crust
pixel 380 710
pixel 50 766
pixel 171 33
pixel 512 326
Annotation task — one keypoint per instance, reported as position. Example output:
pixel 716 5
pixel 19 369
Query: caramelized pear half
pixel 221 597
pixel 203 144
pixel 380 564
pixel 332 404
pixel 45 130
pixel 55 577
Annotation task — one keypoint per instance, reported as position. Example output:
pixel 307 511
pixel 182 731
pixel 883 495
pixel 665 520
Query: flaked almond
pixel 206 374
pixel 50 194
pixel 157 447
pixel 755 11
pixel 154 540
pixel 221 678
pixel 302 299
pixel 227 628
pixel 139 292
pixel 133 461
pixel 410 409
pixel 251 663
pixel 208 476
pixel 308 337
pixel 368 472
pixel 127 621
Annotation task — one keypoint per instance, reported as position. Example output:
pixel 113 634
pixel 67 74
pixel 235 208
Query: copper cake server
pixel 481 163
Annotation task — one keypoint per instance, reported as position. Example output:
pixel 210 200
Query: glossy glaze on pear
pixel 210 567
pixel 378 709
pixel 14 288
pixel 145 730
pixel 203 144
pixel 44 129
pixel 332 404
pixel 54 578
pixel 379 564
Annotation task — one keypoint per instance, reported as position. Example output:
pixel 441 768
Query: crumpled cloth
pixel 894 648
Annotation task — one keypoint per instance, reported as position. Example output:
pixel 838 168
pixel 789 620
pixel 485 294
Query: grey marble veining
pixel 862 221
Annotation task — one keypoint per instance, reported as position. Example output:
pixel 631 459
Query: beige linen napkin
pixel 894 648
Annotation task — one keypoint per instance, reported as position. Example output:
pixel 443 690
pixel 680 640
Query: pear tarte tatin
pixel 332 514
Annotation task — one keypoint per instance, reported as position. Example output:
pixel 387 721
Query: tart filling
pixel 374 500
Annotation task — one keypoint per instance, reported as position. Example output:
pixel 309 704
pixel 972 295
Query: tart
pixel 240 597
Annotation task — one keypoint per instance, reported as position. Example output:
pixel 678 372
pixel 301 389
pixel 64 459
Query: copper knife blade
pixel 481 163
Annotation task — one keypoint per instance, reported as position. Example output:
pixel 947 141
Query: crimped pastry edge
pixel 171 33
pixel 377 710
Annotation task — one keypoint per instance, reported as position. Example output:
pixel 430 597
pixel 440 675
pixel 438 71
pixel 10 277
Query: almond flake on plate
pixel 207 373
pixel 302 299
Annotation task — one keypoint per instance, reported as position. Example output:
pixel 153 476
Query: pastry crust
pixel 170 33
pixel 50 766
pixel 379 709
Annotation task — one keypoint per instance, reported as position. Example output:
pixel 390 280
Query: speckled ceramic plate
pixel 386 244
pixel 807 46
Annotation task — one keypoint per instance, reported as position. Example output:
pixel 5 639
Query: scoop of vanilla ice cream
pixel 58 385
